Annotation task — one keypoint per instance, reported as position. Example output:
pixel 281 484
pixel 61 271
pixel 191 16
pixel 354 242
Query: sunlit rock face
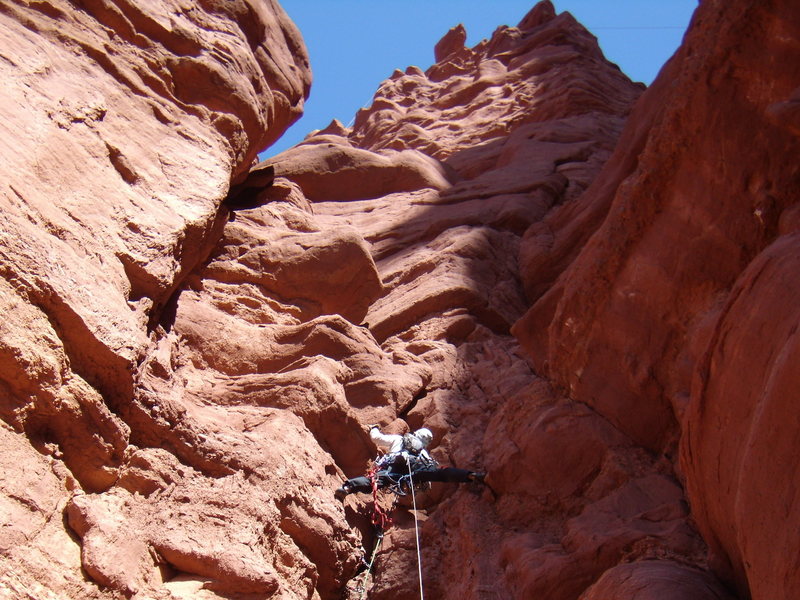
pixel 194 347
pixel 123 125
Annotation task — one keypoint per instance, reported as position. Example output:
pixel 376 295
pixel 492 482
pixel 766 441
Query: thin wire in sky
pixel 590 28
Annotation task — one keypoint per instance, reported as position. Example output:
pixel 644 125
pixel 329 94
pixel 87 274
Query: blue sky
pixel 356 44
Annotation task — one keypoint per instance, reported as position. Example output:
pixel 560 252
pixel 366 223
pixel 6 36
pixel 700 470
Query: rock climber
pixel 406 459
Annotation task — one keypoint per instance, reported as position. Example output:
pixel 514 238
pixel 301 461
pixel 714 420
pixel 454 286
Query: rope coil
pixel 380 518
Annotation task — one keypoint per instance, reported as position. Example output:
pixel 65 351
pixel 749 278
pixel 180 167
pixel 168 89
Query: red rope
pixel 379 516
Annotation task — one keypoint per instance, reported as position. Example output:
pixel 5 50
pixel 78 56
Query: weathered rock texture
pixel 677 319
pixel 123 124
pixel 186 377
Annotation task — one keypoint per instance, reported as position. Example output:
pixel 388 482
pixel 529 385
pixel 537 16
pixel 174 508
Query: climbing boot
pixel 341 493
pixel 477 477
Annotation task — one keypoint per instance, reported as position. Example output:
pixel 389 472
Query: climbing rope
pixel 416 529
pixel 380 518
pixel 362 587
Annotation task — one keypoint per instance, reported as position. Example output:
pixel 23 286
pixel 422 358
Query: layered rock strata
pixel 123 125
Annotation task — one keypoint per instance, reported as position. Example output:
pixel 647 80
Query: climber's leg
pixel 352 486
pixel 449 475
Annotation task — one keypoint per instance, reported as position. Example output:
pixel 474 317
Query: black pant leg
pixel 363 485
pixel 358 485
pixel 446 474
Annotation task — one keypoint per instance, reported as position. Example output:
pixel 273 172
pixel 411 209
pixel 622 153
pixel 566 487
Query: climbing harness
pixel 397 483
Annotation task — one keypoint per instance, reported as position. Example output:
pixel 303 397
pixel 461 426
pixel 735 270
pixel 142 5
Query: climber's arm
pixel 384 440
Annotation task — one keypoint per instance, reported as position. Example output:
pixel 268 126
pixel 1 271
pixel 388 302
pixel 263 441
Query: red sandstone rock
pixel 326 171
pixel 450 295
pixel 187 384
pixel 443 247
pixel 452 42
pixel 747 380
pixel 673 318
pixel 123 125
pixel 375 284
pixel 655 580
pixel 119 97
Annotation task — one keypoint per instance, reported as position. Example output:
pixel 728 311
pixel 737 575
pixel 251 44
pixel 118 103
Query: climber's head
pixel 424 435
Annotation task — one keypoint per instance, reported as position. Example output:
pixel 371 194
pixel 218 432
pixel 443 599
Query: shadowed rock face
pixel 676 316
pixel 186 380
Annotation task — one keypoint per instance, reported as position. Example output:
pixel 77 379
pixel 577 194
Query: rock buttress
pixel 672 312
pixel 123 124
pixel 204 382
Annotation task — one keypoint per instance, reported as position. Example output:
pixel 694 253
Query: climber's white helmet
pixel 424 435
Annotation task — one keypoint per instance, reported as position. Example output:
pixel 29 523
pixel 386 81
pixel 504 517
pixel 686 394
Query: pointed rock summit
pixel 541 13
pixel 451 43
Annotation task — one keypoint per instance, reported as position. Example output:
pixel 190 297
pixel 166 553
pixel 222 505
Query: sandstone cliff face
pixel 123 124
pixel 375 280
pixel 187 376
pixel 676 319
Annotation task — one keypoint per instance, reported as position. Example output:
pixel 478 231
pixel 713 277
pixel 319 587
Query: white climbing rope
pixel 362 587
pixel 416 526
